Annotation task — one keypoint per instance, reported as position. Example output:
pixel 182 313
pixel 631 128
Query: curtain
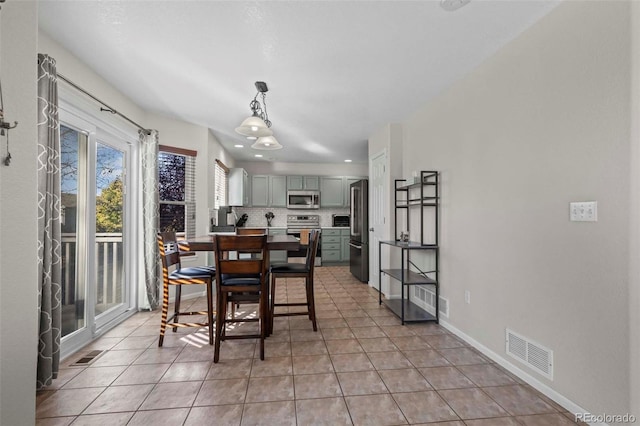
pixel 150 257
pixel 49 238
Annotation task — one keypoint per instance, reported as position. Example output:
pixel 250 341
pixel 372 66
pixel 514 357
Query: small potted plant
pixel 269 216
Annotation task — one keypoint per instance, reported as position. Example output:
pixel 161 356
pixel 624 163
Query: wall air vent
pixel 530 353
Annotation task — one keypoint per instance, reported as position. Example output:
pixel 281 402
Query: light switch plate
pixel 585 211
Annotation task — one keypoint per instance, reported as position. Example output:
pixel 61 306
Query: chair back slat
pixel 240 243
pixel 312 250
pixel 168 248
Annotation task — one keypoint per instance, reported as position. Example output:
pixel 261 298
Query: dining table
pixel 274 242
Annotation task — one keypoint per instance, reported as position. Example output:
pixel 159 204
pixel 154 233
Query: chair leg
pixel 165 311
pixel 176 305
pixel 272 301
pixel 311 303
pixel 264 319
pixel 221 315
pixel 210 310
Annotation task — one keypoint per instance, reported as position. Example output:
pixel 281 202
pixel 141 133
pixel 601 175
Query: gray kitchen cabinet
pixel 306 183
pixel 344 239
pixel 332 191
pixel 278 191
pixel 238 187
pixel 332 245
pixel 260 191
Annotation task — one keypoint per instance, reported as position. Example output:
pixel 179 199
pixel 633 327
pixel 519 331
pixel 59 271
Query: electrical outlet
pixel 586 211
pixel 467 296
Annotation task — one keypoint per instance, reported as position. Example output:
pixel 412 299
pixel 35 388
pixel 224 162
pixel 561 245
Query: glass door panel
pixel 109 245
pixel 73 147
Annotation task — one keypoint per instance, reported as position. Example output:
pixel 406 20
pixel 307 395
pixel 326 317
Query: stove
pixel 297 222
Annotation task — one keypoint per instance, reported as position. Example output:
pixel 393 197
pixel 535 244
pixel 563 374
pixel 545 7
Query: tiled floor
pixel 361 367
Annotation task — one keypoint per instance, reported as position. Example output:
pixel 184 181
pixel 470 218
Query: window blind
pixel 221 185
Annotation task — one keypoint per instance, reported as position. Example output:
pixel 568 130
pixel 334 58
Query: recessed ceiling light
pixel 258 155
pixel 347 161
pixel 239 146
pixel 252 138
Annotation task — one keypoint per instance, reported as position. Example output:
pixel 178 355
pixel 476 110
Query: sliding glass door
pixel 96 204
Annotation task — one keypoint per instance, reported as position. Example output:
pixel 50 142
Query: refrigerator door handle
pixel 355 246
pixel 352 210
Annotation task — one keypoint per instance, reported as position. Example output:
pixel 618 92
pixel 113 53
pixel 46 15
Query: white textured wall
pixel 18 216
pixel 542 123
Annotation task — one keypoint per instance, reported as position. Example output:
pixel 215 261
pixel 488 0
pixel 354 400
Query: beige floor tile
pixel 316 386
pixel 221 415
pixel 279 413
pixel 410 343
pixel 277 366
pixel 351 362
pixel 312 364
pixel 444 341
pixel 119 398
pixel 446 378
pixel 174 416
pixel 274 348
pixel 331 323
pixel 389 360
pixel 463 356
pixel 486 375
pixel 499 421
pixel 56 421
pixel 426 358
pixel 67 402
pixel 353 313
pixel 361 383
pixel 397 331
pixel 157 355
pixel 308 348
pixel 424 407
pixel 405 380
pixel 202 353
pixel 111 419
pixel 327 411
pixel 518 400
pixel 427 329
pixel 187 371
pixel 136 342
pixel 222 392
pixel 95 377
pixel 230 369
pixel 264 389
pixel 377 344
pixel 141 374
pixel 374 410
pixel 172 395
pixel 452 423
pixel 472 403
pixel 65 374
pixel 337 333
pixel 346 346
pixel 103 344
pixel 368 332
pixel 305 335
pixel 361 322
pixel 113 358
pixel 391 320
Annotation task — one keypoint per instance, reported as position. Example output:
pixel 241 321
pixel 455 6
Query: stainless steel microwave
pixel 303 199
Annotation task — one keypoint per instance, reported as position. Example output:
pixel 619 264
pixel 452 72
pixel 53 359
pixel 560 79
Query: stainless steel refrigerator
pixel 359 240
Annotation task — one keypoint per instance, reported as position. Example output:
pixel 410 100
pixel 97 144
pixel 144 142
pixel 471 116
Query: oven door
pixel 300 255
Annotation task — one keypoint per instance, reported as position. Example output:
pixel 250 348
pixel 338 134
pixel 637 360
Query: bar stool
pixel 240 280
pixel 292 270
pixel 170 257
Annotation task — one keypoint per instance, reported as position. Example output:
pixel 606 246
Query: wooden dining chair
pixel 170 256
pixel 240 280
pixel 251 231
pixel 293 270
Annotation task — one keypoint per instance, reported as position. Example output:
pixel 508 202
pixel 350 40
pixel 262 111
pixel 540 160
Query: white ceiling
pixel 337 70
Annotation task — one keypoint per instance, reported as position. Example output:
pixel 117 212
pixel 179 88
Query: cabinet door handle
pixel 355 246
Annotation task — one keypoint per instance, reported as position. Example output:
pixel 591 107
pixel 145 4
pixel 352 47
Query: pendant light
pixel 258 124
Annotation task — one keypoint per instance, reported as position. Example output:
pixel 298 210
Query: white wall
pixel 542 123
pixel 18 216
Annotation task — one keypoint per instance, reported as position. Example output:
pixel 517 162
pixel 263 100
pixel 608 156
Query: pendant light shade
pixel 254 126
pixel 266 143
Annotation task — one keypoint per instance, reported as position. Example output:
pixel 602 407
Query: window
pixel 221 185
pixel 176 187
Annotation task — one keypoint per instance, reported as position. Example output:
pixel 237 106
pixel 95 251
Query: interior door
pixel 378 200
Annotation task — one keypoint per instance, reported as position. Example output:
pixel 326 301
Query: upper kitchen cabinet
pixel 305 183
pixel 332 191
pixel 268 191
pixel 238 187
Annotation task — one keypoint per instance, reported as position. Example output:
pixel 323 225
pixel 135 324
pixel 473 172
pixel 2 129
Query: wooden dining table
pixel 274 242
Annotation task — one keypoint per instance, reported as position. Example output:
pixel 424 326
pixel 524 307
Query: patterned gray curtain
pixel 49 238
pixel 150 218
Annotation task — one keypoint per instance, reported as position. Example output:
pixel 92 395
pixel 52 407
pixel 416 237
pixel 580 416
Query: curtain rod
pixel 108 108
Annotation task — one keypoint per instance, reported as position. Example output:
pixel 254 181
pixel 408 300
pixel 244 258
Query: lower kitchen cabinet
pixel 335 245
pixel 277 256
pixel 344 237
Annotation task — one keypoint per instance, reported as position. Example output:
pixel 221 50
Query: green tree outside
pixel 109 208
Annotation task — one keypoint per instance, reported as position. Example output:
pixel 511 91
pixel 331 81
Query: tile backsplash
pixel 257 219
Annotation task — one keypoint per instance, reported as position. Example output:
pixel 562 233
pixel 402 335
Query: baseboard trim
pixel 565 402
